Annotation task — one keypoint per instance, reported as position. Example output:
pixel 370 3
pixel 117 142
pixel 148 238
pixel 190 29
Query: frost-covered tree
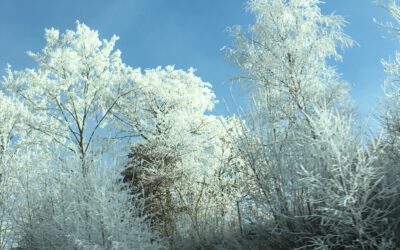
pixel 390 118
pixel 77 83
pixel 285 54
pixel 60 189
pixel 180 156
pixel 391 98
pixel 284 59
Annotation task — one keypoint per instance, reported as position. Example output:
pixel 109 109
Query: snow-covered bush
pixel 348 192
pixel 95 211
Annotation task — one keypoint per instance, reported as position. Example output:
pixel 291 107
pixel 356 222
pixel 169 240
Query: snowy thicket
pixel 95 154
pixel 15 158
pixel 348 190
pixel 283 56
pixel 72 211
pixel 311 182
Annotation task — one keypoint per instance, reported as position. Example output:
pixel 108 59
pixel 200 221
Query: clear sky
pixel 189 33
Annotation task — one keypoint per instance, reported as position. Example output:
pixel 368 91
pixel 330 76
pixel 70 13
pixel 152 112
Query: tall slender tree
pixel 284 58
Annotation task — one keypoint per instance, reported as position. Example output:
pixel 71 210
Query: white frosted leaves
pixel 179 87
pixel 52 36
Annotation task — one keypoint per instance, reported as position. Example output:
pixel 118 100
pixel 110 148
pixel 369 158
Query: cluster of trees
pixel 95 154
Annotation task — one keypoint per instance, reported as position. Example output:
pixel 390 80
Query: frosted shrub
pixel 348 191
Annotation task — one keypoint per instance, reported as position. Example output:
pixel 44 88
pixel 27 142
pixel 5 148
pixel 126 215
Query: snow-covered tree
pixel 77 83
pixel 61 190
pixel 285 54
pixel 180 155
pixel 391 98
pixel 390 118
pixel 284 58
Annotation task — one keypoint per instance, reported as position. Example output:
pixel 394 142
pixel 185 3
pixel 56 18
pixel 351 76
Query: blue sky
pixel 189 34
